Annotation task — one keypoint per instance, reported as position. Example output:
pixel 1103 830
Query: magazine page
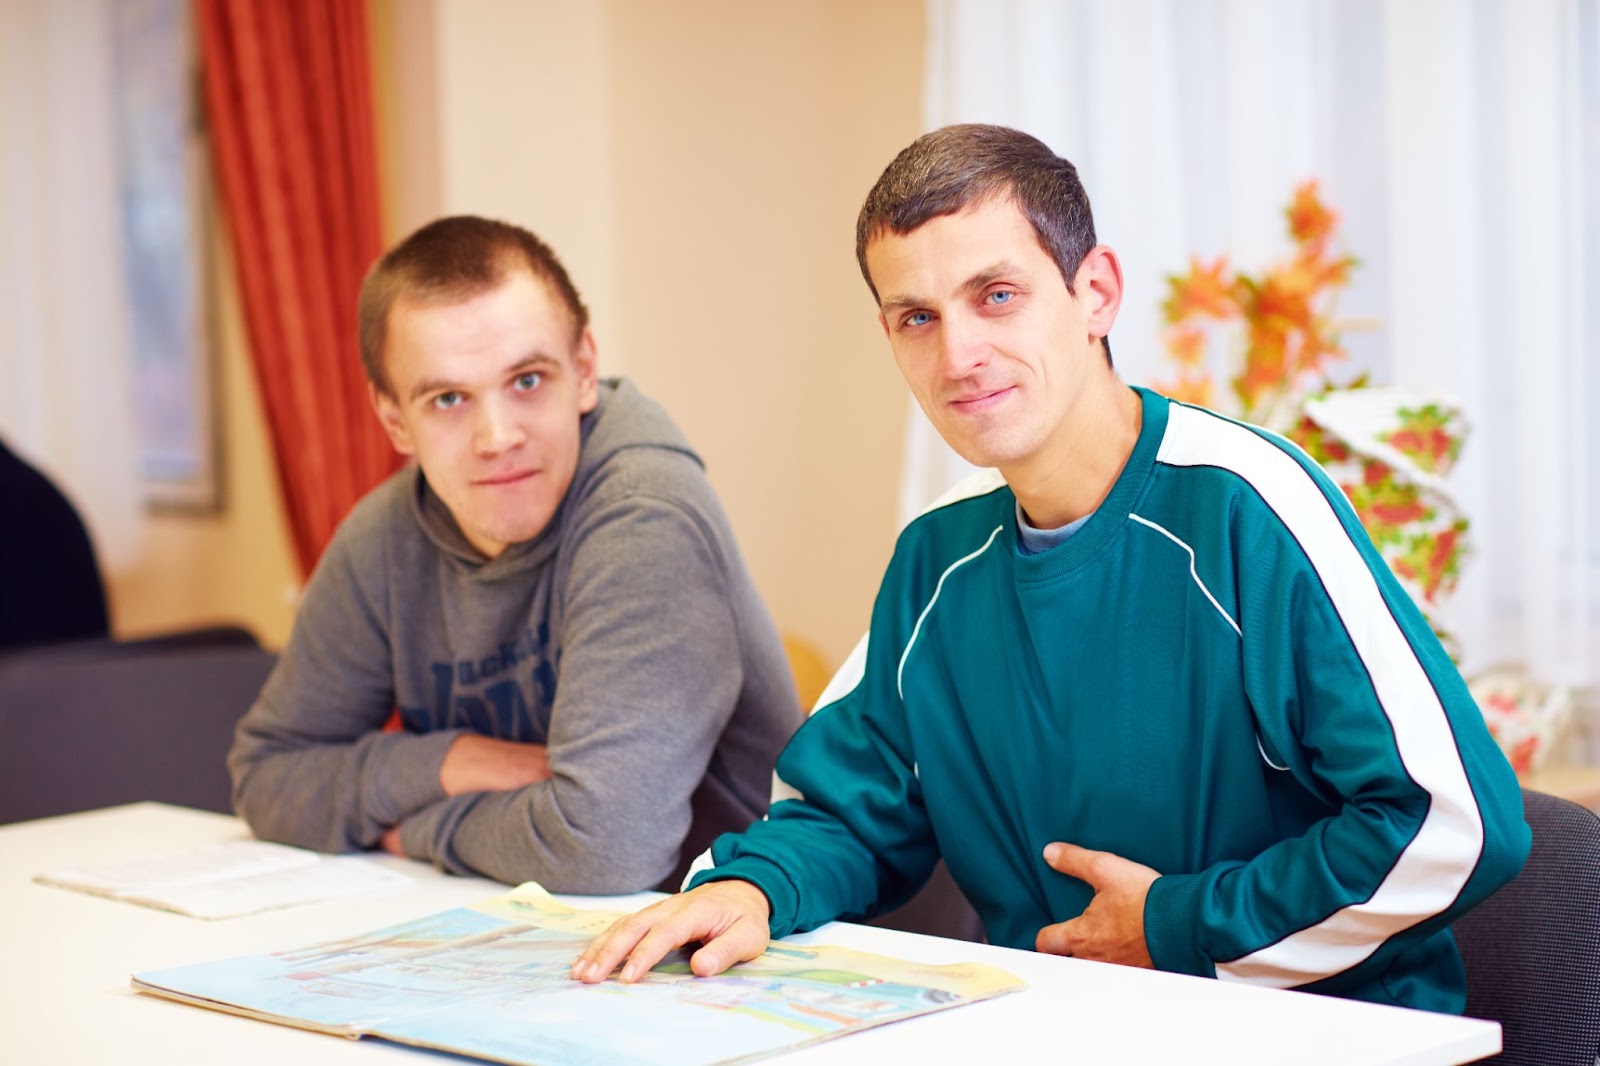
pixel 492 981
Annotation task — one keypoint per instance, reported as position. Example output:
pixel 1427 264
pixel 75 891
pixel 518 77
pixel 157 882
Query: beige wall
pixel 405 72
pixel 698 164
pixel 748 135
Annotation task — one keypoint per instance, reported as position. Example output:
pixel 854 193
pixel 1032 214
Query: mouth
pixel 510 478
pixel 981 400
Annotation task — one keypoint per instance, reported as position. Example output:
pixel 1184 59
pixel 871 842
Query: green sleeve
pixel 856 840
pixel 1354 697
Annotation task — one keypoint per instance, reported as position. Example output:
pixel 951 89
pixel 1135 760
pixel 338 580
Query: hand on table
pixel 476 763
pixel 1111 928
pixel 390 841
pixel 728 917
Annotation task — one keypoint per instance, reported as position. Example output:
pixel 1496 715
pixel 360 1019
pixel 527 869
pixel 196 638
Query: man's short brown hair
pixel 450 260
pixel 950 169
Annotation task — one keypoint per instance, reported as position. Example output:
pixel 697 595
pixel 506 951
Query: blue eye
pixel 446 400
pixel 918 318
pixel 1000 296
pixel 528 382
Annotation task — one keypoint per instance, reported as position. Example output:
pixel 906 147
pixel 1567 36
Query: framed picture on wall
pixel 162 202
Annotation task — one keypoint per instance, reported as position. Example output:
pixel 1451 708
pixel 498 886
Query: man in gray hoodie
pixel 550 597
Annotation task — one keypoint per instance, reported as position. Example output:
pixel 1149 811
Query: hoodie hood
pixel 622 419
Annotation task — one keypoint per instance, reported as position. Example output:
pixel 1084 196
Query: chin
pixel 509 533
pixel 522 533
pixel 985 455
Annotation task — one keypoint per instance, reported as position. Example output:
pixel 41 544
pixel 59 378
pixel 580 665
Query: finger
pixel 743 941
pixel 1074 861
pixel 390 841
pixel 703 914
pixel 640 941
pixel 1058 939
pixel 718 915
pixel 1099 869
pixel 608 949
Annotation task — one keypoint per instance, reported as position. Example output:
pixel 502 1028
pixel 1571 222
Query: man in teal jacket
pixel 1145 685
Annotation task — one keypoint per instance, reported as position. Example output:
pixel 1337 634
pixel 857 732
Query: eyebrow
pixel 977 283
pixel 535 361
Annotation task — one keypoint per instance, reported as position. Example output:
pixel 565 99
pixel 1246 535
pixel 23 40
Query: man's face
pixel 486 393
pixel 994 347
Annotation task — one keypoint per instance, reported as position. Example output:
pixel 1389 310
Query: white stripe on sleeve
pixel 916 630
pixel 1430 872
pixel 843 682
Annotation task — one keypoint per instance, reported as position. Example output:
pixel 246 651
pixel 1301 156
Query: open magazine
pixel 491 981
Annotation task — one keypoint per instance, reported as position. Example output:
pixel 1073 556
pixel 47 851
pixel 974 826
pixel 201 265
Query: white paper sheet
pixel 228 879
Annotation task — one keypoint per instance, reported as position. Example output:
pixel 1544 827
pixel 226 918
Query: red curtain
pixel 288 98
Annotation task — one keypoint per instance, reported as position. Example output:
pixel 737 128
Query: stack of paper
pixel 229 878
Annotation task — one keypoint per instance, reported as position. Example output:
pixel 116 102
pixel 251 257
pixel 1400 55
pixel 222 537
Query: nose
pixel 496 430
pixel 963 347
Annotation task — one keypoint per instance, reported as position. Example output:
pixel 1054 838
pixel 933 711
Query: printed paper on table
pixel 492 981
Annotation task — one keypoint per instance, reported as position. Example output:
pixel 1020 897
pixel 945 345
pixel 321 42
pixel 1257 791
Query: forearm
pixel 336 797
pixel 811 868
pixel 311 763
pixel 1402 858
pixel 1298 915
pixel 615 804
pixel 548 833
pixel 639 707
pixel 858 844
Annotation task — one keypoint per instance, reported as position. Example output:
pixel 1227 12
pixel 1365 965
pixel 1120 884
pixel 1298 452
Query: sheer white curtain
pixel 64 338
pixel 1461 144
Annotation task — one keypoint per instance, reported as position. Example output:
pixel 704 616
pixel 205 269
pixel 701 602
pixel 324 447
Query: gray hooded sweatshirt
pixel 626 636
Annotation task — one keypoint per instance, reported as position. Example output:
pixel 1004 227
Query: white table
pixel 65 998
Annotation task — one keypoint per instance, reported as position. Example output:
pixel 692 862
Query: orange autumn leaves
pixel 1282 338
pixel 1288 331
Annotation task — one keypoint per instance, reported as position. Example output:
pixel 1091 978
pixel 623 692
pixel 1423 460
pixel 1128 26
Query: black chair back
pixel 101 723
pixel 938 909
pixel 1532 950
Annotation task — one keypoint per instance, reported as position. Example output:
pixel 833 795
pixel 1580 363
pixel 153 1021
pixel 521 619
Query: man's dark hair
pixel 943 172
pixel 450 260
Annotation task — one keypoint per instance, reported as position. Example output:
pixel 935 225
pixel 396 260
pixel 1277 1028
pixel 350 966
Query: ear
pixel 1100 287
pixel 586 364
pixel 389 417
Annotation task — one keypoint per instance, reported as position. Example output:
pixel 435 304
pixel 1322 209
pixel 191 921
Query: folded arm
pixel 309 762
pixel 477 763
pixel 649 675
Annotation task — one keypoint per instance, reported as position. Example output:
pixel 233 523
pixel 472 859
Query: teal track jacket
pixel 1217 676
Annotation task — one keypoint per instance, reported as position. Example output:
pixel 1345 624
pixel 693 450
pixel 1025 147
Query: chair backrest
pixel 1532 950
pixel 83 649
pixel 104 723
pixel 940 908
